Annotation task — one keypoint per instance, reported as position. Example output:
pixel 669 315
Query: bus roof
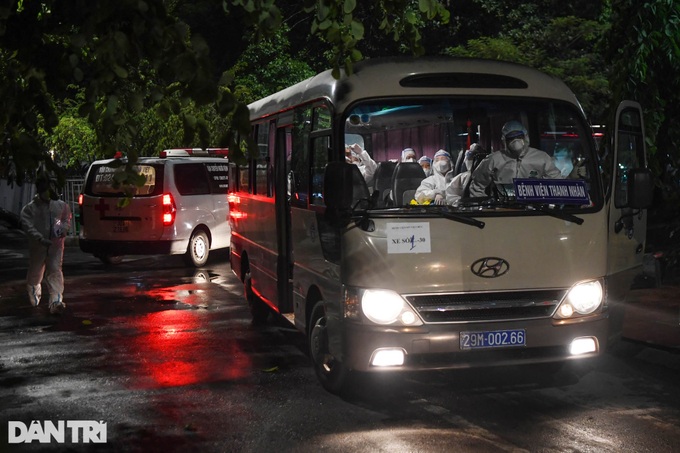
pixel 410 76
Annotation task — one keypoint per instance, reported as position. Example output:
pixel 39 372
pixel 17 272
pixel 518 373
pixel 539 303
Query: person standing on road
pixel 46 222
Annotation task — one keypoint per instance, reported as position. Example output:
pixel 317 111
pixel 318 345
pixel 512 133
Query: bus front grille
pixel 465 307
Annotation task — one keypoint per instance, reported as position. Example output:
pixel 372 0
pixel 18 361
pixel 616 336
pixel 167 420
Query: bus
pixel 536 273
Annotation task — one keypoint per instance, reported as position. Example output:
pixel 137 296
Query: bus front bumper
pixel 438 346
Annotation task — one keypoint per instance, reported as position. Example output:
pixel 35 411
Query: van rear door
pixel 108 214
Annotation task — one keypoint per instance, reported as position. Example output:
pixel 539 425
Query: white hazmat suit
pixel 46 223
pixel 355 154
pixel 433 188
pixel 515 160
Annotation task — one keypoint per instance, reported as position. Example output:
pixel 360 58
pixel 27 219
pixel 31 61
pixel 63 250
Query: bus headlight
pixel 386 307
pixel 582 299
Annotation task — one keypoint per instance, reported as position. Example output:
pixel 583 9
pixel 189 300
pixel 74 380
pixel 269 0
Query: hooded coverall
pixel 46 224
pixel 436 183
pixel 500 167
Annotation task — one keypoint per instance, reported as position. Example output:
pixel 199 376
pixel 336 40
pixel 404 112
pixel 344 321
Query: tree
pixel 644 54
pixel 266 67
pixel 562 40
pixel 109 47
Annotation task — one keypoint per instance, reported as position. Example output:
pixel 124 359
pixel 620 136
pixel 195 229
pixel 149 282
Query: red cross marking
pixel 102 207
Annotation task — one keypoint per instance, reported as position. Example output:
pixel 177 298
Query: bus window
pixel 244 177
pixel 322 118
pixel 320 150
pixel 630 152
pixel 262 161
pixel 429 125
pixel 299 160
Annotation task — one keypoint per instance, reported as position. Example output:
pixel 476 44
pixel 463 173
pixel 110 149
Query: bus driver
pixel 515 160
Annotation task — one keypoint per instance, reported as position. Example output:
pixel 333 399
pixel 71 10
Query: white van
pixel 182 207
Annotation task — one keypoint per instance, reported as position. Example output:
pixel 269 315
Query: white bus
pixel 532 273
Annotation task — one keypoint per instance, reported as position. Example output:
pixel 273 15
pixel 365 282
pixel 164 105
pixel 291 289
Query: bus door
pixel 307 151
pixel 282 165
pixel 627 219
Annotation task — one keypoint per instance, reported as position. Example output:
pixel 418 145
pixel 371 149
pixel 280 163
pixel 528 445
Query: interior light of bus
pixel 169 209
pixel 388 357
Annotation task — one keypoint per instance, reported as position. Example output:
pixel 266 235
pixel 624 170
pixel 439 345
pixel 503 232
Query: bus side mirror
pixel 640 188
pixel 337 192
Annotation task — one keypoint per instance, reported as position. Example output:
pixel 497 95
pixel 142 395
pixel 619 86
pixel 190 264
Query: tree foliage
pixel 644 51
pixel 133 56
pixel 127 56
pixel 535 34
pixel 267 66
pixel 149 74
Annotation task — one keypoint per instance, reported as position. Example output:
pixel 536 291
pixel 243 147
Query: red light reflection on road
pixel 173 349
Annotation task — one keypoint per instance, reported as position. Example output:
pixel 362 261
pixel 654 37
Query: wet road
pixel 168 359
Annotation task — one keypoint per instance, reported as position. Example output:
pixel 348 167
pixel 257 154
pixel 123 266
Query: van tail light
pixel 80 208
pixel 169 209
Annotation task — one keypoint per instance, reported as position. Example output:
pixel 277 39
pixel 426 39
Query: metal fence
pixel 14 197
pixel 71 192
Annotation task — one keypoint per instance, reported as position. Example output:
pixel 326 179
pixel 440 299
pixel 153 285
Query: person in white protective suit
pixel 456 188
pixel 515 160
pixel 426 163
pixel 408 155
pixel 433 188
pixel 356 155
pixel 46 223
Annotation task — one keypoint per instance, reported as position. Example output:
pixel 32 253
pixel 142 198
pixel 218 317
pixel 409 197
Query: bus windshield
pixel 553 163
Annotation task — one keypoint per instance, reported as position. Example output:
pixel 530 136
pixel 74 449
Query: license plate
pixel 493 339
pixel 121 226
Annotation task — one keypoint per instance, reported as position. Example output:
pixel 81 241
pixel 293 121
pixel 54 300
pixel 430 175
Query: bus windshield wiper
pixel 557 214
pixel 490 202
pixel 460 218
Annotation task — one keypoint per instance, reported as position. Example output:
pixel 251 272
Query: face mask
pixel 428 171
pixel 516 146
pixel 442 166
pixel 409 159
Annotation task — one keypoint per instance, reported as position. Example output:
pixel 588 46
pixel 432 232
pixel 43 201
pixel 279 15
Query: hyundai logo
pixel 490 267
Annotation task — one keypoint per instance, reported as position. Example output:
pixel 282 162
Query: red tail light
pixel 80 208
pixel 169 210
pixel 234 208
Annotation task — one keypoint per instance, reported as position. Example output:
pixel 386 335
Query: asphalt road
pixel 168 359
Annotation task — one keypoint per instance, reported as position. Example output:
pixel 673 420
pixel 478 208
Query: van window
pixel 102 181
pixel 191 179
pixel 218 174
